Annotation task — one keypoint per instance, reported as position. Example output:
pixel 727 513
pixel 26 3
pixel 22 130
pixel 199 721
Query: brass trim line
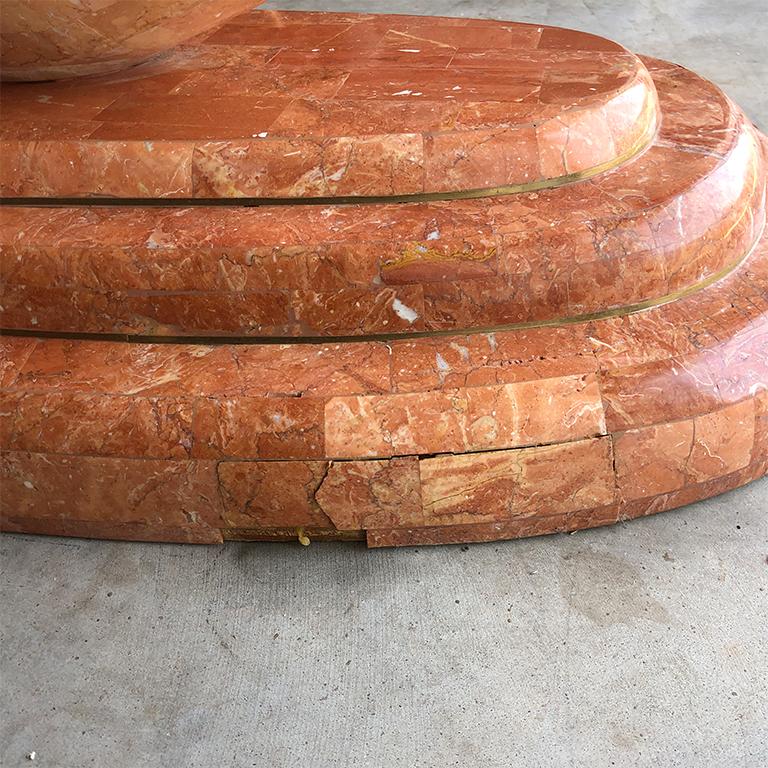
pixel 643 143
pixel 628 309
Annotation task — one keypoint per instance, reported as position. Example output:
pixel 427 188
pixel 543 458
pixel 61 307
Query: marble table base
pixel 511 328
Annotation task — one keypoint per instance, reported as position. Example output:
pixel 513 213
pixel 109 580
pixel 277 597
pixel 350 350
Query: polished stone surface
pixel 689 207
pixel 455 438
pixel 418 372
pixel 640 644
pixel 55 39
pixel 291 105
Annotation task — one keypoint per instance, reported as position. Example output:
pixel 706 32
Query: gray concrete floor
pixel 644 644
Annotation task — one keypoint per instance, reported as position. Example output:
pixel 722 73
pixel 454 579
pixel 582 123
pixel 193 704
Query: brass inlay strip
pixel 417 197
pixel 628 309
pixel 289 534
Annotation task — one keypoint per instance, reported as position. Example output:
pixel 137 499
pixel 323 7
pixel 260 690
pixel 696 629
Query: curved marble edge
pixel 93 40
pixel 427 441
pixel 623 311
pixel 428 156
pixel 563 522
pixel 673 219
pixel 648 132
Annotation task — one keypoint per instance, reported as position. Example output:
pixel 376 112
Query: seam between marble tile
pixel 606 434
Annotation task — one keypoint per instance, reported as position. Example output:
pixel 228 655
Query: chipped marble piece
pixel 271 493
pixel 371 494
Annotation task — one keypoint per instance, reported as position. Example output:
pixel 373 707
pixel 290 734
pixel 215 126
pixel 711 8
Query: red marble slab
pixel 499 485
pixel 581 520
pixel 502 367
pixel 663 223
pixel 90 529
pixel 272 494
pixel 464 419
pixel 280 104
pixel 201 426
pixel 370 494
pixel 166 494
pixel 668 457
pixel 14 353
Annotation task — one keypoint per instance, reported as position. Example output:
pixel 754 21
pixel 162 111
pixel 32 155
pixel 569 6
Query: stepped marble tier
pixel 401 279
pixel 685 210
pixel 299 105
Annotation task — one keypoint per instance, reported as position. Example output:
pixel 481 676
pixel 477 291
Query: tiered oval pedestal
pixel 402 279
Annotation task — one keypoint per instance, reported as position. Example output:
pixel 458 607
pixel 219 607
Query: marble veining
pixel 416 373
pixel 691 207
pixel 279 104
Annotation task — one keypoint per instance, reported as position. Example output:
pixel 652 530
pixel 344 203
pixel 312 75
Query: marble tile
pixel 166 494
pixel 258 428
pixel 96 529
pixel 372 494
pixel 95 425
pixel 530 482
pixel 271 493
pixel 653 460
pixel 469 419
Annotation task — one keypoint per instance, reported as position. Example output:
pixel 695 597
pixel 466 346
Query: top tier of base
pixel 295 105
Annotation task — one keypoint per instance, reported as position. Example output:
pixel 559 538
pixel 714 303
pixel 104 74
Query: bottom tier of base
pixel 448 534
